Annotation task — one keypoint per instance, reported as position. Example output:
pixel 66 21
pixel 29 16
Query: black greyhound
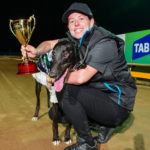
pixel 65 55
pixel 55 108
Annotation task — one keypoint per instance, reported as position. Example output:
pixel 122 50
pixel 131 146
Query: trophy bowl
pixel 27 68
pixel 22 29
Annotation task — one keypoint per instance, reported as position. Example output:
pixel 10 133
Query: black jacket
pixel 106 54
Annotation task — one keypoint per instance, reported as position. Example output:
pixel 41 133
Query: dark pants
pixel 81 103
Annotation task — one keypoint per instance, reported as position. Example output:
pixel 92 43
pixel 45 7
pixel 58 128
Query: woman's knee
pixel 122 119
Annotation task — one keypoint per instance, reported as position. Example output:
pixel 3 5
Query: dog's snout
pixel 52 74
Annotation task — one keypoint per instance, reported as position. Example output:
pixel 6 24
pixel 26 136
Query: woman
pixel 104 90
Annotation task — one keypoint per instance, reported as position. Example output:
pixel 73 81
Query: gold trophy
pixel 22 29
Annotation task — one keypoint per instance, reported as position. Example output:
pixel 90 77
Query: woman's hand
pixel 42 48
pixel 29 50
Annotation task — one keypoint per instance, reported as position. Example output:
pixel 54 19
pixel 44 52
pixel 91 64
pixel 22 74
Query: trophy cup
pixel 22 29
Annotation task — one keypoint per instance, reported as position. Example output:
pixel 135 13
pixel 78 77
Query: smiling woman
pixel 103 89
pixel 78 24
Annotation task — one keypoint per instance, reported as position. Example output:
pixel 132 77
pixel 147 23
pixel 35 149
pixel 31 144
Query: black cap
pixel 77 7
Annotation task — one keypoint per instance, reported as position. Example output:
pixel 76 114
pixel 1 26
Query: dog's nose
pixel 52 74
pixel 50 80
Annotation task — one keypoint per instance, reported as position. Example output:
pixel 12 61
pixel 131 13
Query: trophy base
pixel 28 67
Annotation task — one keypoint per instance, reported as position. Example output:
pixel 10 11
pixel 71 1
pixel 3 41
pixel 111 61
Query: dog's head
pixel 64 57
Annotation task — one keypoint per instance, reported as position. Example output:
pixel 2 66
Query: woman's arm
pixel 81 76
pixel 42 48
pixel 45 46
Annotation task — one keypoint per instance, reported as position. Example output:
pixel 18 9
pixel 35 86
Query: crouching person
pixel 102 92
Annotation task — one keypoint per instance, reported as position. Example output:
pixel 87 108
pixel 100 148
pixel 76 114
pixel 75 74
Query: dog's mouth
pixel 58 84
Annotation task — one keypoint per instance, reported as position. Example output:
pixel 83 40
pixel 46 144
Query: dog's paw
pixel 56 142
pixel 68 141
pixel 34 118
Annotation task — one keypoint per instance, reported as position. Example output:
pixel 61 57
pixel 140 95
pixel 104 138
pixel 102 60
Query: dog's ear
pixel 79 63
pixel 81 56
pixel 79 60
pixel 78 66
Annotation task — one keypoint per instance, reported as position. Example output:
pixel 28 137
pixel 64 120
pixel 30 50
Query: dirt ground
pixel 19 132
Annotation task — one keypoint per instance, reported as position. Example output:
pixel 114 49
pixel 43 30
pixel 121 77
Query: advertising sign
pixel 137 47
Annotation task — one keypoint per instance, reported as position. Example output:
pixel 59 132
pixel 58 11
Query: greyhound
pixel 40 79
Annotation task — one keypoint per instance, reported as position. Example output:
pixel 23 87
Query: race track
pixel 19 132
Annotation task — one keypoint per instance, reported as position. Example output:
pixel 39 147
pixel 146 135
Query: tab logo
pixel 141 47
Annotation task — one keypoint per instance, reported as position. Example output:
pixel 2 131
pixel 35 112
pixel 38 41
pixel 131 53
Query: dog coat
pixel 41 78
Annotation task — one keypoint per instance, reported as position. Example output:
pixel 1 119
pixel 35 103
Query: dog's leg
pixel 56 140
pixel 37 91
pixel 67 134
pixel 48 97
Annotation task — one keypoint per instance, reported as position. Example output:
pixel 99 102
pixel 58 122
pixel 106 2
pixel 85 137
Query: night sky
pixel 118 16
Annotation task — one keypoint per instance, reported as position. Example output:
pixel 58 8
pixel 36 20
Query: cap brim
pixel 66 15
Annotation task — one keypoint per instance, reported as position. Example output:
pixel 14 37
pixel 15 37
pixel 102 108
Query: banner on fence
pixel 137 47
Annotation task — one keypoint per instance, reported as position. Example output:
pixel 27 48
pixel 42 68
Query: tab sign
pixel 141 47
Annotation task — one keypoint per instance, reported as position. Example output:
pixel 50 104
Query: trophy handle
pixel 32 18
pixel 10 26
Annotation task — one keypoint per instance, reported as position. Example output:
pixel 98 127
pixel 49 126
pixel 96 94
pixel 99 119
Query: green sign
pixel 137 47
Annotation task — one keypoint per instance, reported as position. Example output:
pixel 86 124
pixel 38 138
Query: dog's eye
pixel 65 54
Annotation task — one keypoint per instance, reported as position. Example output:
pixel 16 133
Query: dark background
pixel 118 16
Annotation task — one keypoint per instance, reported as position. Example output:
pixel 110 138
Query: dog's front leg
pixel 48 97
pixel 67 133
pixel 56 140
pixel 37 91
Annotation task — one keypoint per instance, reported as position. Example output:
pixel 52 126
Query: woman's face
pixel 79 23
